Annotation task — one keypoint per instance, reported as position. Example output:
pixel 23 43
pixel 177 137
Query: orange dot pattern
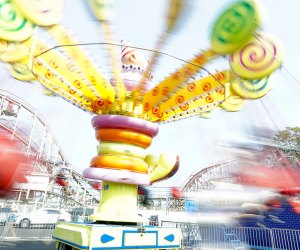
pixel 194 98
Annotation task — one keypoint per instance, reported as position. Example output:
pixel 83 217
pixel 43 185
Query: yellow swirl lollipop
pixel 13 52
pixel 232 102
pixel 102 9
pixel 251 89
pixel 235 26
pixel 21 71
pixel 13 27
pixel 258 58
pixel 43 13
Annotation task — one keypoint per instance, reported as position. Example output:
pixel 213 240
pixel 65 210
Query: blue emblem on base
pixel 170 237
pixel 106 238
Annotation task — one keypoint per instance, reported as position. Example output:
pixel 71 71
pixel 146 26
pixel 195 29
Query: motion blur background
pixel 205 188
pixel 196 140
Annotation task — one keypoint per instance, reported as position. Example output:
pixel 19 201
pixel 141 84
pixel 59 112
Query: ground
pixel 28 245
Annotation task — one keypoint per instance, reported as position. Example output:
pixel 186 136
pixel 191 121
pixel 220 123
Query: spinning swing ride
pixel 126 110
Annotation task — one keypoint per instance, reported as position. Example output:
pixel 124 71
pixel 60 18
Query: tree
pixel 289 141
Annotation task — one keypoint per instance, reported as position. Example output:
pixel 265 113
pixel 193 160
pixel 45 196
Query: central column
pixel 118 203
pixel 121 164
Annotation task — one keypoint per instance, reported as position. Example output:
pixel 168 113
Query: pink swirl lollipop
pixel 258 58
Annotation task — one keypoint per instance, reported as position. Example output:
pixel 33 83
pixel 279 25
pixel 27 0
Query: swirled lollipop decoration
pixel 254 63
pixel 13 27
pixel 20 70
pixel 251 89
pixel 17 21
pixel 13 52
pixel 232 101
pixel 235 26
pixel 42 13
pixel 258 58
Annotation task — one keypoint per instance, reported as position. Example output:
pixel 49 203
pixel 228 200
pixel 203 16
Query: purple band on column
pixel 126 122
pixel 119 176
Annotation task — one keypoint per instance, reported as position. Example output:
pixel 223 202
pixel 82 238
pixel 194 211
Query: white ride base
pixel 71 236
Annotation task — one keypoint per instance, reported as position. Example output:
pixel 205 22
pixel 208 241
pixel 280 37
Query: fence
pixel 37 226
pixel 11 232
pixel 286 239
pixel 197 236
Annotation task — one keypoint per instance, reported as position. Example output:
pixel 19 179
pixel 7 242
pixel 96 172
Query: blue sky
pixel 195 140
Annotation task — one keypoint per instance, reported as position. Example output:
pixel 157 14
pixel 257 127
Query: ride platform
pixel 71 236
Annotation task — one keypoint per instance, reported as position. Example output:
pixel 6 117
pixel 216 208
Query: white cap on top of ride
pixel 132 56
pixel 126 50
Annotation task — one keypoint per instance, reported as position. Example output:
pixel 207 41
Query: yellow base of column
pixel 118 203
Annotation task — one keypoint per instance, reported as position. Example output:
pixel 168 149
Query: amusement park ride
pixel 126 110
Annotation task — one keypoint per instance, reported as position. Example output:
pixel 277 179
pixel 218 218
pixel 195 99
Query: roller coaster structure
pixel 24 123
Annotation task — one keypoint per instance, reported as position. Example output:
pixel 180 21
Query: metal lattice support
pixel 204 178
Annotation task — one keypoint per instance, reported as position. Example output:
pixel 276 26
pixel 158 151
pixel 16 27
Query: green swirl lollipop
pixel 235 26
pixel 252 89
pixel 13 27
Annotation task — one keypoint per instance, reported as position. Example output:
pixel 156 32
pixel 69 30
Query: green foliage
pixel 289 141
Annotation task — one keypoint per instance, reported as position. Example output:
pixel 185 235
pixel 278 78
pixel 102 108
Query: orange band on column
pixel 119 162
pixel 123 135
